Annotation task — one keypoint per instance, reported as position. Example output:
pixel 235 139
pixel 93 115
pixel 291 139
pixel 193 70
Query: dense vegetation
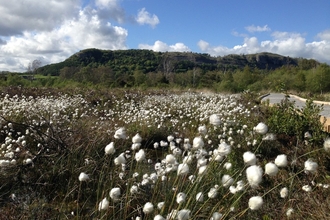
pixel 75 145
pixel 148 69
pixel 131 154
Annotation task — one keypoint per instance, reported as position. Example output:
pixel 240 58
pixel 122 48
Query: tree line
pixel 145 68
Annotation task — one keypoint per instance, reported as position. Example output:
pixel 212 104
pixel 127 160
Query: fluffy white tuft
pixel 148 208
pixel 261 128
pixel 281 160
pixel 255 202
pixel 311 166
pixel 254 175
pixel 183 214
pixel 110 148
pixel 104 204
pixel 249 158
pixel 83 177
pixel 284 192
pixel 271 169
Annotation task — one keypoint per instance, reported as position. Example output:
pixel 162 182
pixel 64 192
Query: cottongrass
pixel 83 177
pixel 254 175
pixel 215 176
pixel 255 202
pixel 281 160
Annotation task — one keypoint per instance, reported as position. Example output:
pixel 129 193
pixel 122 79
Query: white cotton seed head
pixel 159 217
pixel 201 162
pixel 181 197
pixel 307 135
pixel 269 137
pixel 83 177
pixel 202 169
pixel 212 193
pixel 136 146
pixel 228 165
pixel 110 148
pixel 261 128
pixel 120 133
pixel 160 205
pixel 183 214
pixel 170 159
pixel 136 139
pixel 115 194
pixel 307 188
pixel 148 208
pixel 28 161
pixel 120 159
pixel 170 138
pixel 183 169
pixel 281 160
pixel 255 202
pixel 215 120
pixel 134 189
pixel 224 149
pixel 311 166
pixel 326 144
pixel 249 158
pixel 200 197
pixel 271 169
pixel 289 212
pixel 202 129
pixel 104 204
pixel 177 152
pixel 140 156
pixel 254 175
pixel 284 192
pixel 227 180
pixel 216 216
pixel 198 143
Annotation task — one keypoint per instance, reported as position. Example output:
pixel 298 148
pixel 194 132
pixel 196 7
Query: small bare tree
pixel 32 68
pixel 168 67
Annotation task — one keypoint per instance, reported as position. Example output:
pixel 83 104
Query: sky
pixel 53 30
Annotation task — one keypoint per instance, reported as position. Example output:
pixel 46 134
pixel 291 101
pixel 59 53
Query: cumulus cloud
pixel 284 43
pixel 325 35
pixel 86 30
pixel 2 41
pixel 110 9
pixel 145 17
pixel 163 47
pixel 34 15
pixel 253 28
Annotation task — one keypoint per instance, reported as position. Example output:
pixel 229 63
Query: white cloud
pixel 253 28
pixel 325 35
pixel 110 9
pixel 284 43
pixel 34 15
pixel 144 17
pixel 85 31
pixel 203 45
pixel 163 47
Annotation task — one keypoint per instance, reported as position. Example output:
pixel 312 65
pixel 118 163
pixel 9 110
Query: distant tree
pixel 32 67
pixel 168 67
pixel 317 80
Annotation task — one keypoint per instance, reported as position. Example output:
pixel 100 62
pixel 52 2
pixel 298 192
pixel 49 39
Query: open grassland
pixel 159 155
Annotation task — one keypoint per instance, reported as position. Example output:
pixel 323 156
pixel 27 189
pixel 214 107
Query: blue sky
pixel 51 31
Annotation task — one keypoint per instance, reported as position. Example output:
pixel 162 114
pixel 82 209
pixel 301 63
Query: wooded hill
pixel 147 69
pixel 146 61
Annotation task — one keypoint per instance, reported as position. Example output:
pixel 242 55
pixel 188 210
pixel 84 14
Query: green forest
pixel 149 69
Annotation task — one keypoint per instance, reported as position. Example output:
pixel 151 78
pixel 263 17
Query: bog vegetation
pixel 130 135
pixel 147 69
pixel 156 154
